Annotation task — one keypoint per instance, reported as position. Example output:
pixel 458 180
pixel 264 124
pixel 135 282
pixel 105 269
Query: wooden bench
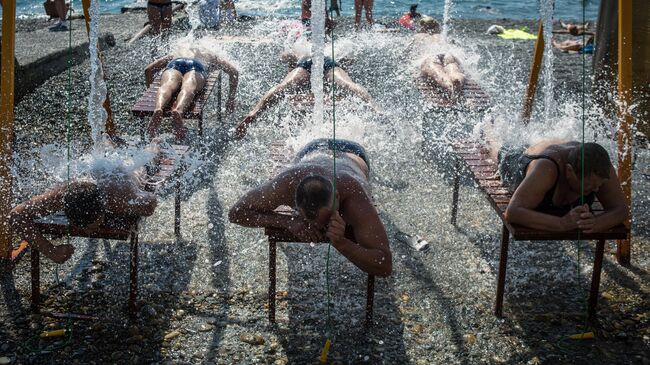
pixel 146 104
pixel 472 98
pixel 280 158
pixel 121 228
pixel 475 158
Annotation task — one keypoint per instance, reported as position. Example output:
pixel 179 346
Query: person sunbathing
pixel 576 29
pixel 299 61
pixel 321 211
pixel 85 203
pixel 186 70
pixel 441 70
pixel 573 45
pixel 547 182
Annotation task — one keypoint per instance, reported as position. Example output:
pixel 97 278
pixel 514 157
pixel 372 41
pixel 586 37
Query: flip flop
pixel 416 242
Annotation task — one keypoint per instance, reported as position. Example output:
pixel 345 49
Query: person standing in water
pixel 185 71
pixel 360 5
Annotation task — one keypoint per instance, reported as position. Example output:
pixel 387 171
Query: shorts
pixel 339 145
pixel 185 65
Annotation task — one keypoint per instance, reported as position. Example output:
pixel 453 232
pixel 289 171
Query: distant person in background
pixel 409 19
pixel 359 5
pixel 228 11
pixel 213 13
pixel 305 16
pixel 573 45
pixel 56 9
pixel 160 15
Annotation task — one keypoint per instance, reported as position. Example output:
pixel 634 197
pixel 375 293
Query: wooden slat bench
pixel 475 158
pixel 121 228
pixel 146 104
pixel 472 98
pixel 280 158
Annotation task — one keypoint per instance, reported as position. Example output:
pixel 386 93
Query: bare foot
pixel 156 119
pixel 60 253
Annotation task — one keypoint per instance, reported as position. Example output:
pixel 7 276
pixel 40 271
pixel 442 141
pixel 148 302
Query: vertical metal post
pixel 219 111
pixel 595 278
pixel 370 299
pixel 177 209
pixel 454 204
pixel 133 263
pixel 503 264
pixel 534 75
pixel 6 122
pixel 272 266
pixel 624 137
pixel 36 279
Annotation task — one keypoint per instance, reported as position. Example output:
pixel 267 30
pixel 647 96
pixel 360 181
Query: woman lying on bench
pixel 186 69
pixel 299 60
pixel 84 202
pixel 546 179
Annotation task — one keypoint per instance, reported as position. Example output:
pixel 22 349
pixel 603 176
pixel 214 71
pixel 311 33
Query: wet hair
pixel 428 23
pixel 313 193
pixel 414 11
pixel 596 160
pixel 83 203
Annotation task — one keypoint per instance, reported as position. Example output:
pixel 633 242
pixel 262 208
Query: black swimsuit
pixel 306 63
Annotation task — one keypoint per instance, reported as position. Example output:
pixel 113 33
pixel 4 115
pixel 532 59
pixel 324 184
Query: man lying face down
pixel 321 211
pixel 549 192
pixel 85 203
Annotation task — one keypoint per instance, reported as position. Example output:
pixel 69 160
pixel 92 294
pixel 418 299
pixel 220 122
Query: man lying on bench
pixel 307 186
pixel 186 69
pixel 84 202
pixel 298 79
pixel 441 69
pixel 547 177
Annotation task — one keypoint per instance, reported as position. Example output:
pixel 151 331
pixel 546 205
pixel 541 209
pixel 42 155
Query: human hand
pixel 336 228
pixel 587 221
pixel 571 220
pixel 305 230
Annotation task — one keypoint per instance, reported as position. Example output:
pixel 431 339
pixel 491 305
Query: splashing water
pixel 317 49
pixel 546 13
pixel 446 16
pixel 96 113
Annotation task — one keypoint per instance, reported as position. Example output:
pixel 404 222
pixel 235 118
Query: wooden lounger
pixel 475 158
pixel 113 228
pixel 472 98
pixel 146 104
pixel 280 158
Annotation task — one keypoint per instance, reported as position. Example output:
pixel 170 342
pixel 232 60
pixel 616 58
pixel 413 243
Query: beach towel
pixel 516 34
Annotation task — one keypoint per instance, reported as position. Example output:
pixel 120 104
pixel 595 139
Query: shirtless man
pixel 186 69
pixel 85 204
pixel 546 177
pixel 573 45
pixel 300 62
pixel 443 70
pixel 307 186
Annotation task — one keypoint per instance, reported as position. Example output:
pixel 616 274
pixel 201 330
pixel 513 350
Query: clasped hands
pixel 312 231
pixel 581 218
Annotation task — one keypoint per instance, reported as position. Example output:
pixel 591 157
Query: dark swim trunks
pixel 339 145
pixel 185 65
pixel 306 63
pixel 513 163
pixel 160 6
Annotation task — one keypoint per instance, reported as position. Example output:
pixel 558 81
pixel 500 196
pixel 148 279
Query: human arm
pixel 233 78
pixel 371 251
pixel 21 220
pixel 616 210
pixel 155 66
pixel 530 193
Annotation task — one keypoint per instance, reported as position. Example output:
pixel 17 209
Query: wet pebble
pixel 253 339
pixel 171 335
pixel 5 360
pixel 206 328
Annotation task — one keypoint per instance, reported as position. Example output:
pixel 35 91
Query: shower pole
pixel 6 122
pixel 624 135
pixel 534 75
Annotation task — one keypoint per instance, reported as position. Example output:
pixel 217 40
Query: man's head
pixel 414 11
pixel 83 203
pixel 314 198
pixel 595 166
pixel 429 25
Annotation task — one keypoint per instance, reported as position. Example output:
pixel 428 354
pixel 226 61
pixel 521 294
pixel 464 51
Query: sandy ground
pixel 203 298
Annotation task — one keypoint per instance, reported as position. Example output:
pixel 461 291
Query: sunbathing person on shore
pixel 573 45
pixel 442 70
pixel 299 61
pixel 547 177
pixel 307 186
pixel 85 203
pixel 186 69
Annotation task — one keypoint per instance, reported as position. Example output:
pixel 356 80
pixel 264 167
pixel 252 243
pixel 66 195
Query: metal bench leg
pixel 36 279
pixel 454 205
pixel 272 266
pixel 503 261
pixel 595 278
pixel 219 112
pixel 370 299
pixel 133 288
pixel 177 210
pixel 142 129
